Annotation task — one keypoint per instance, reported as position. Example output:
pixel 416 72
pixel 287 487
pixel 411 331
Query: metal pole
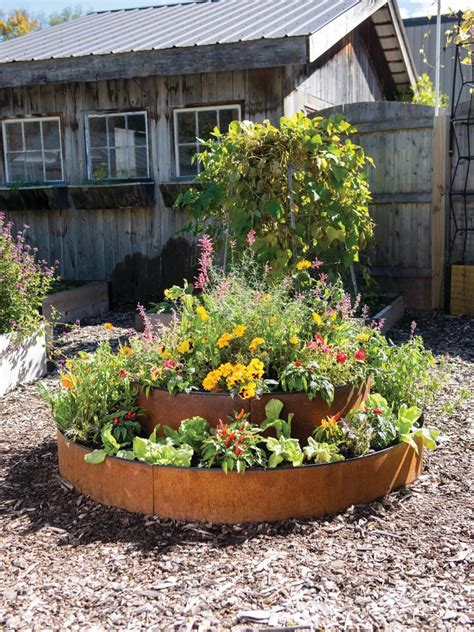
pixel 438 56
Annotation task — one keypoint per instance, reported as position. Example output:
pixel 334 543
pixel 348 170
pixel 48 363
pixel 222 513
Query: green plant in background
pixel 423 93
pixel 322 452
pixel 300 188
pixel 24 283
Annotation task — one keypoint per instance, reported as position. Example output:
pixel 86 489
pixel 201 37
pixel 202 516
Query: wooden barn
pixel 100 116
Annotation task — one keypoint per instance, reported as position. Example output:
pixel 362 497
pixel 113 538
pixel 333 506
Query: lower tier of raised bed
pixel 256 495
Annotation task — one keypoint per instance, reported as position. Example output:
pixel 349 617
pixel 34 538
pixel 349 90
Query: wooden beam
pixel 401 198
pixel 403 41
pixel 325 38
pixel 394 126
pixel 439 186
pixel 263 53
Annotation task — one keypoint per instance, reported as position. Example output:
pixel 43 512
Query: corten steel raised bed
pixel 256 495
pixel 160 407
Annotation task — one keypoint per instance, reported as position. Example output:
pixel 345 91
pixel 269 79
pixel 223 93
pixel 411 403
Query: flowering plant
pixel 24 282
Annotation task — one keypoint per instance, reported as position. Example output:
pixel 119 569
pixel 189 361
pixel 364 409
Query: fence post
pixel 439 198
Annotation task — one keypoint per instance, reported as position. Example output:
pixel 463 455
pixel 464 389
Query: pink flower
pixel 205 261
pixel 341 357
pixel 316 264
pixel 319 339
pixel 312 344
pixel 170 364
pixel 326 348
pixel 251 237
pixel 360 355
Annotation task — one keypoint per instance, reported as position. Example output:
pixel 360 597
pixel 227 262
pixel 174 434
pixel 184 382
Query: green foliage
pixel 301 187
pixel 24 283
pixel 273 409
pixel 423 93
pixel 322 452
pixel 306 378
pixel 284 449
pixel 162 452
pixel 191 431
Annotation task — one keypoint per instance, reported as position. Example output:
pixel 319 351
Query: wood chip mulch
pixel 68 563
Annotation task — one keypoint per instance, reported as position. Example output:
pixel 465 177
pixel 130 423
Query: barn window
pixel 192 124
pixel 33 152
pixel 117 146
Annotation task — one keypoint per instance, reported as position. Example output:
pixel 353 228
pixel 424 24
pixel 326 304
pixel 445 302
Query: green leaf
pixel 97 456
pixel 408 438
pixel 273 409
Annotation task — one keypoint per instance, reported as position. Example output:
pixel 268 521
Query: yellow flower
pixel 57 352
pixel 247 391
pixel 108 326
pixel 317 319
pixel 67 380
pixel 211 380
pixel 226 369
pixel 155 373
pixel 186 346
pixel 239 331
pixel 237 376
pixel 303 264
pixel 224 340
pixel 334 316
pixel 362 337
pixel 255 344
pixel 201 312
pixel 294 340
pixel 255 369
pixel 168 294
pixel 330 425
pixel 126 351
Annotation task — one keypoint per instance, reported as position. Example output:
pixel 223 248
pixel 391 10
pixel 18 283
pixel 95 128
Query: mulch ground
pixel 68 563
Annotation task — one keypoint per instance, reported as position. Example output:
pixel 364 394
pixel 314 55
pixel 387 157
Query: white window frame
pixel 108 146
pixel 204 108
pixel 32 119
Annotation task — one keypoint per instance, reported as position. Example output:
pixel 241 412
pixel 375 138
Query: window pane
pixel 117 133
pixel 97 131
pixel 14 137
pixel 137 129
pixel 16 167
pixel 186 122
pixel 99 164
pixel 138 163
pixel 207 121
pixel 119 162
pixel 52 161
pixel 51 135
pixel 32 135
pixel 34 166
pixel 226 117
pixel 186 152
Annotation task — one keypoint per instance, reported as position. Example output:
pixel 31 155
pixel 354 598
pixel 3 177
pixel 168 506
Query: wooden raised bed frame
pixel 84 301
pixel 256 495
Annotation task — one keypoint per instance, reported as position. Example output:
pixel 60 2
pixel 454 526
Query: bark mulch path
pixel 68 563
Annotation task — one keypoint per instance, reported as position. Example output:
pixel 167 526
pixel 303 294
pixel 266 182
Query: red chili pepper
pixel 378 411
pixel 240 414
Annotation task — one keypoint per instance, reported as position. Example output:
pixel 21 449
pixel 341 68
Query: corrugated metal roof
pixel 183 25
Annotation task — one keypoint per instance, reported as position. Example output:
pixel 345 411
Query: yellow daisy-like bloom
pixel 108 326
pixel 248 391
pixel 201 312
pixel 239 330
pixel 211 380
pixel 255 344
pixel 304 264
pixel 362 337
pixel 294 340
pixel 317 319
pixel 255 369
pixel 224 340
pixel 186 346
pixel 126 351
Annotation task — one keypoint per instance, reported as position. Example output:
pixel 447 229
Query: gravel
pixel 68 563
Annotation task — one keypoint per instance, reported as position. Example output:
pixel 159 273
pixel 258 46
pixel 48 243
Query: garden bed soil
pixel 21 362
pixel 161 407
pixel 86 300
pixel 70 563
pixel 190 493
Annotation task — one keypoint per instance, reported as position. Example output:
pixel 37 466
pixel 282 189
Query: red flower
pixel 298 363
pixel 341 357
pixel 130 415
pixel 319 339
pixel 170 364
pixel 378 411
pixel 123 373
pixel 116 420
pixel 360 355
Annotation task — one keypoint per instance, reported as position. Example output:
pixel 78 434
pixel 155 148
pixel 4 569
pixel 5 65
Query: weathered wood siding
pixel 345 75
pixel 135 248
pixel 409 186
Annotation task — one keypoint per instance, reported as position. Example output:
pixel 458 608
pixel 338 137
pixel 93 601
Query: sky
pixel 408 8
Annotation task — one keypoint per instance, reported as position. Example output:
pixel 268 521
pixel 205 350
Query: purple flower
pixel 251 237
pixel 205 261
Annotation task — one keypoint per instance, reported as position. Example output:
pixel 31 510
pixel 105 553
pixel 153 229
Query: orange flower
pixel 67 380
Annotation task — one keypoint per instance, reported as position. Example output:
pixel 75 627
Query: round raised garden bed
pixel 210 495
pixel 162 407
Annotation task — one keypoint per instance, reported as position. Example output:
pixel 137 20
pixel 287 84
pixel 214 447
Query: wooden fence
pixel 409 187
